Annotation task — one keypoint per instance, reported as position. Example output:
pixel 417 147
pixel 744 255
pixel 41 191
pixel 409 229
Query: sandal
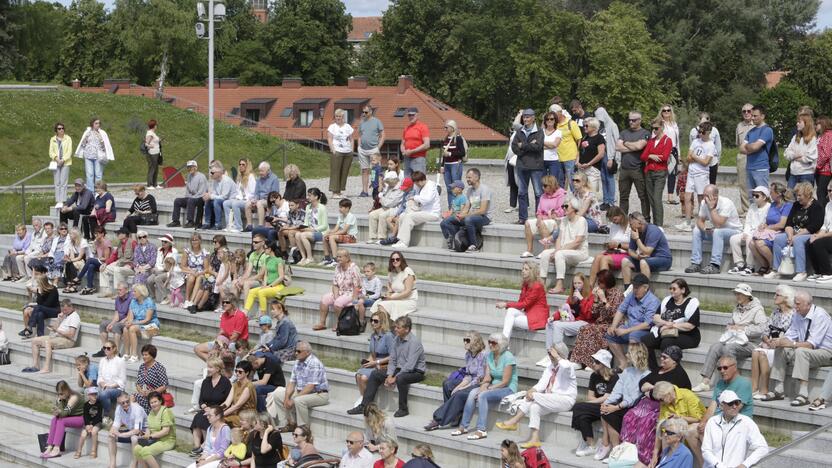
pixel 77 455
pixel 459 432
pixel 93 454
pixel 318 327
pixel 818 404
pixel 478 435
pixel 800 400
pixel 70 289
pixel 86 291
pixel 773 396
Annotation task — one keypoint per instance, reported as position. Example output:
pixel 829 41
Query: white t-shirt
pixel 569 231
pixel 701 149
pixel 724 207
pixel 622 236
pixel 73 320
pixel 551 154
pixel 341 137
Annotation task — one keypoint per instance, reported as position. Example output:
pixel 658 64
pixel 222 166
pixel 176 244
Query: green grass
pixel 11 211
pixel 28 117
pixel 776 439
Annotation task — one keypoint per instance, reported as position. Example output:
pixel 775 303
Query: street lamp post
pixel 210 81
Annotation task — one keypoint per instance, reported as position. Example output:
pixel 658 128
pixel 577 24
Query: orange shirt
pixel 414 135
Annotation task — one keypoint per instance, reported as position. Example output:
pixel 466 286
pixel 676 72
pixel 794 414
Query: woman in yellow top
pixel 682 403
pixel 568 149
pixel 160 435
pixel 60 156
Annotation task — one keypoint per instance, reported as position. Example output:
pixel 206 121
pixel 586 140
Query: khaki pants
pixel 339 170
pixel 303 403
pixel 112 275
pixel 411 219
pixel 562 259
pixel 803 359
pixel 742 181
pixel 736 242
pixel 378 222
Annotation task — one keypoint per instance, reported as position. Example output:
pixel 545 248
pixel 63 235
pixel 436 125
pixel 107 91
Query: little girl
pixel 237 450
pixel 175 281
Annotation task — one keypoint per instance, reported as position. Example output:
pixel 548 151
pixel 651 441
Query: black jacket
pixel 529 149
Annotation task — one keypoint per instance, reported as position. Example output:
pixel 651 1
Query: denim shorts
pixel 628 338
pixel 317 236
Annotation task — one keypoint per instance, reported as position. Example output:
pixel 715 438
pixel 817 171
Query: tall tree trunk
pixel 163 71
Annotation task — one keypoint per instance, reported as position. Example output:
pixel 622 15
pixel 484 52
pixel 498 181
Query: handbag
pixel 787 263
pixel 5 357
pixel 42 438
pixel 146 442
pixel 167 399
pixel 670 333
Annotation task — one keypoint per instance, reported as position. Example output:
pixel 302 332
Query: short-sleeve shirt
pixel 380 344
pixel 309 371
pixel 413 137
pixel 163 418
pixel 72 321
pixel 742 387
pixel 496 368
pixel 701 149
pixel 341 137
pixel 478 195
pixel 776 212
pixel 257 261
pixel 91 373
pixel 551 154
pixel 687 405
pixel 589 149
pixel 639 311
pixel 601 387
pixel 272 268
pixel 674 312
pixel 632 159
pixel 458 202
pixel 347 280
pixel 724 207
pixel 274 368
pixel 370 131
pixel 238 322
pixel 140 309
pixel 759 159
pixel 350 220
pixel 654 238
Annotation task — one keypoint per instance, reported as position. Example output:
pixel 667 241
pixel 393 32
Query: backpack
pixel 143 148
pixel 348 324
pixel 460 241
pixel 295 257
pixel 535 458
pixel 773 157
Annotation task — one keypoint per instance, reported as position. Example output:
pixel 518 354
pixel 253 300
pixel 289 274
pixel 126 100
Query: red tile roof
pixel 363 27
pixel 385 99
pixel 773 78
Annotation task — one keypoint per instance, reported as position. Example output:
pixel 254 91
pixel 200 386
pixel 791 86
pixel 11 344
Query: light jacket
pixel 108 149
pixel 734 443
pixel 428 198
pixel 565 384
pixel 803 156
pixel 533 302
pixel 66 146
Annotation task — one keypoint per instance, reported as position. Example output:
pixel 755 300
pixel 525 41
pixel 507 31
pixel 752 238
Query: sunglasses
pixel 62 229
pixel 665 110
pixel 492 343
pixel 669 433
pixel 396 259
pixel 633 120
pixel 375 321
pixel 466 340
pixel 732 403
pixel 239 371
pixel 550 119
pixel 724 367
pixel 295 434
pixel 350 442
pixel 59 129
pixel 107 348
pixel 365 113
pixel 142 237
pixel 226 302
pixel 746 111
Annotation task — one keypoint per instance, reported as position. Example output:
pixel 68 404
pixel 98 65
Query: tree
pixel 781 103
pixel 8 48
pixel 625 63
pixel 809 67
pixel 86 50
pixel 38 59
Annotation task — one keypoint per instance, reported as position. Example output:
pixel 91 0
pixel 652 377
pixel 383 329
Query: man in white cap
pixel 196 184
pixel 732 439
pixel 755 217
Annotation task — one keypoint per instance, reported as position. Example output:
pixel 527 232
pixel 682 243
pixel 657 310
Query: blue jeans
pixel 108 399
pixel 94 171
pixel 719 238
pixel 412 165
pixel 523 176
pixel 554 169
pixel 567 170
pixel 238 206
pixel 40 314
pixel 482 400
pixel 607 184
pixel 799 244
pixel 756 178
pixel 262 391
pixel 91 266
pixel 471 224
pixel 796 179
pixel 453 172
pixel 213 213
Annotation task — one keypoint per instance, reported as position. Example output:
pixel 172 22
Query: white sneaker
pixel 800 277
pixel 509 210
pixel 684 226
pixel 323 262
pixel 601 452
pixel 233 229
pixel 59 205
pixel 588 450
pixel 165 302
pixel 543 362
pixel 193 410
pixel 399 246
pixel 702 387
pixel 132 359
pixel 526 254
pixel 824 279
pixel 151 187
pixel 372 241
pixel 813 277
pixel 771 275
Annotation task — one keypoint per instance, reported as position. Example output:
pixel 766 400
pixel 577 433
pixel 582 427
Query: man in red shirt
pixel 415 144
pixel 233 325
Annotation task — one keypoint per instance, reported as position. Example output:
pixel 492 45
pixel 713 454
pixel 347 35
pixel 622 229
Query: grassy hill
pixel 27 119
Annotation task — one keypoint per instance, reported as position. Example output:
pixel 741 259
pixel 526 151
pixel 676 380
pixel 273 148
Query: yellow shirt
pixel 570 137
pixel 236 451
pixel 687 405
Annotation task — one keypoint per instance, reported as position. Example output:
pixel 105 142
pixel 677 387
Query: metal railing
pixel 796 442
pixel 22 184
pixel 185 165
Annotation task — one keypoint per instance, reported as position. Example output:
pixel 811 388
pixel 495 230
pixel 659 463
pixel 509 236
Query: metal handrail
pixel 22 184
pixel 183 166
pixel 796 442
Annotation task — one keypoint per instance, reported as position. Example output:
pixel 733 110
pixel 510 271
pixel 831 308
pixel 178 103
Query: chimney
pixel 229 83
pixel 292 82
pixel 76 84
pixel 357 82
pixel 405 82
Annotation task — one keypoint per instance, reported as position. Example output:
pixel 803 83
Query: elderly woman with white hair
pixel 339 138
pixel 674 454
pixel 762 358
pixel 453 152
pixel 555 392
pixel 571 246
pixel 500 381
pixel 592 150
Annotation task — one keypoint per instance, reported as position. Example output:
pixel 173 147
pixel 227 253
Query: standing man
pixel 528 146
pixel 477 212
pixel 370 140
pixel 722 214
pixel 579 115
pixel 415 144
pixel 80 203
pixel 631 142
pixel 742 179
pixel 732 439
pixel 756 146
pixel 568 148
pixel 196 184
pixel 306 389
pixel 266 183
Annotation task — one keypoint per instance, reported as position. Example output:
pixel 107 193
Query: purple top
pixel 20 245
pixel 219 445
pixel 123 305
pixel 474 367
pixel 145 255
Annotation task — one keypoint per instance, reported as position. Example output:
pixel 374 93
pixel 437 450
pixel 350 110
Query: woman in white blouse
pixel 756 217
pixel 339 137
pixel 154 152
pixel 617 243
pixel 112 376
pixel 571 246
pixel 246 194
pixel 76 250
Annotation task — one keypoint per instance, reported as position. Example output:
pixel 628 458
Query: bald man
pixel 356 455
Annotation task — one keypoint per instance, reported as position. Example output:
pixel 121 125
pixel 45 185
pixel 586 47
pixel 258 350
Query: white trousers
pixel 562 258
pixel 736 241
pixel 112 275
pixel 544 403
pixel 411 219
pixel 515 318
pixel 378 222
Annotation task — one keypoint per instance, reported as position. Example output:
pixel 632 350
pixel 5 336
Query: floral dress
pixel 591 337
pixel 144 255
pixel 196 260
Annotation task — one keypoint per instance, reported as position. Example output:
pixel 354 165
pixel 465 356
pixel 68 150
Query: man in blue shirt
pixel 266 183
pixel 648 249
pixel 756 147
pixel 633 318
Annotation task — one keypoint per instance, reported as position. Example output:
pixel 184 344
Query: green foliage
pixel 38 59
pixel 781 104
pixel 8 48
pixel 809 68
pixel 625 63
pixel 86 53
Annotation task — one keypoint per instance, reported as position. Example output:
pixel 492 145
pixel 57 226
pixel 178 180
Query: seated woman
pixel 142 212
pixel 549 212
pixel 346 287
pixel 402 297
pixel 571 246
pixel 285 334
pixel 160 435
pixel 141 320
pixel 747 323
pixel 590 208
pixel 555 392
pixel 97 255
pixel 820 247
pixel 213 391
pixel 587 412
pixel 575 313
pixel 624 395
pixel 675 324
pixel 264 442
pixel 304 450
pixel 762 358
pixel 217 440
pixel 144 258
pixel 607 298
pixel 76 250
pixel 805 219
pixel 316 223
pixel 272 277
pixel 207 279
pixel 68 411
pixel 460 383
pixel 193 263
pixel 103 212
pixel 531 311
pixel 778 213
pixel 380 344
pixel 500 381
pixel 242 396
pixel 45 307
pixel 152 377
pixel 377 427
pixel 510 454
pixel 674 453
pixel 756 217
pixel 681 403
pixel 388 449
pixel 618 241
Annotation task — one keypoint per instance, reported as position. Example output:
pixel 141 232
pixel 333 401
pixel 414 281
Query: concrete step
pixel 798 457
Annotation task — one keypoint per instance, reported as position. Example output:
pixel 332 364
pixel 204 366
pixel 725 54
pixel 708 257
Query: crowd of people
pixel 629 340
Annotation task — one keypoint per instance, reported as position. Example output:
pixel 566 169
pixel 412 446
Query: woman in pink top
pixel 549 210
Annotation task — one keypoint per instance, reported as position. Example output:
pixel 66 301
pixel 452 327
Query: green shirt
pixel 272 268
pixel 257 260
pixel 496 369
pixel 163 418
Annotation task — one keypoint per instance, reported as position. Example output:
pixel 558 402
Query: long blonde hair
pixel 374 417
pixel 534 272
pixel 808 132
pixel 242 176
pixel 672 113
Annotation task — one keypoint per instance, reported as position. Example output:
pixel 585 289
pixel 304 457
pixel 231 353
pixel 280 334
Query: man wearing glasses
pixel 415 143
pixel 307 388
pixel 732 439
pixel 370 140
pixel 742 130
pixel 729 380
pixel 356 456
pixel 128 423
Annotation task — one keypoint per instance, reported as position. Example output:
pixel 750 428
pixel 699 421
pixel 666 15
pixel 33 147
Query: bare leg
pixel 614 436
pixel 94 437
pixel 515 419
pixel 645 268
pixel 626 270
pixel 765 372
pixel 197 435
pixel 324 309
pixel 595 268
pixel 189 285
pixel 361 381
pixel 111 444
pixel 618 351
pixel 529 237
